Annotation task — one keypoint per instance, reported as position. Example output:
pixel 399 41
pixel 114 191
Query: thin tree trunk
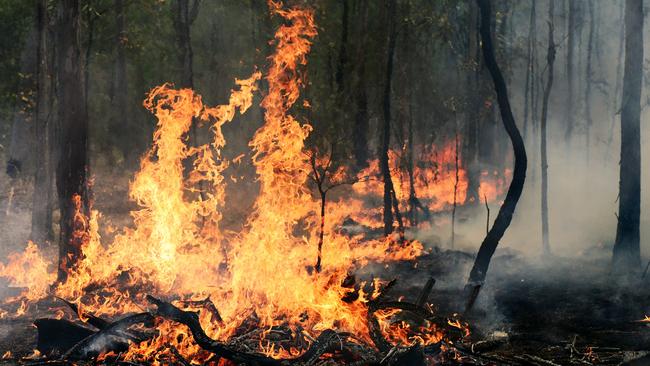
pixel 72 132
pixel 504 217
pixel 120 130
pixel 41 230
pixel 528 89
pixel 588 78
pixel 569 71
pixel 626 256
pixel 360 129
pixel 385 167
pixel 619 78
pixel 343 52
pixel 550 60
pixel 471 147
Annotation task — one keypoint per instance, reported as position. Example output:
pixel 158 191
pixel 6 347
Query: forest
pixel 324 182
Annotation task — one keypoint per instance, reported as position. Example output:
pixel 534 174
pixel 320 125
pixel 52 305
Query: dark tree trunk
pixel 72 131
pixel 120 126
pixel 471 146
pixel 360 129
pixel 41 230
pixel 627 257
pixel 504 217
pixel 184 16
pixel 569 70
pixel 343 52
pixel 530 70
pixel 619 77
pixel 550 60
pixel 386 130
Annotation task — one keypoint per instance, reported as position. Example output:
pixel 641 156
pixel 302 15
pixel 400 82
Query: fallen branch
pixel 327 341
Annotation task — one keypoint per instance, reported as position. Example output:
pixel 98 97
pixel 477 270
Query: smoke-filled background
pixel 439 86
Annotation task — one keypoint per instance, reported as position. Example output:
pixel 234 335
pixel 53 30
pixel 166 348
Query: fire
pixel 259 278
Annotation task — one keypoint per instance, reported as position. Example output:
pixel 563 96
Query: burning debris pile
pixel 258 299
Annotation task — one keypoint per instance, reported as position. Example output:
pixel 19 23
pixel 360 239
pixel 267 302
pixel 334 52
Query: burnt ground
pixel 570 312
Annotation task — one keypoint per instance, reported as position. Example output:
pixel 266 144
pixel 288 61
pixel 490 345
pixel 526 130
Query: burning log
pixel 328 341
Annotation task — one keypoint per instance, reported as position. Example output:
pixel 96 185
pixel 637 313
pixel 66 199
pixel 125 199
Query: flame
pixel 434 182
pixel 261 277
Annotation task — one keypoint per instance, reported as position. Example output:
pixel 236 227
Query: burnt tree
pixel 72 132
pixel 391 203
pixel 550 60
pixel 360 94
pixel 504 217
pixel 626 256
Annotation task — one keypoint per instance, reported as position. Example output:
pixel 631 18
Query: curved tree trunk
pixel 627 257
pixel 504 217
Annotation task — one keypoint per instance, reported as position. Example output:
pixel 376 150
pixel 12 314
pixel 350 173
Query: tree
pixel 360 129
pixel 42 202
pixel 550 60
pixel 627 256
pixel 589 79
pixel 72 133
pixel 184 16
pixel 120 126
pixel 571 31
pixel 504 217
pixel 390 201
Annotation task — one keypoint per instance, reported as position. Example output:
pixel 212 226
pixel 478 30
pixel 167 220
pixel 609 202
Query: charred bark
pixel 360 129
pixel 626 256
pixel 72 132
pixel 550 59
pixel 504 217
pixel 386 130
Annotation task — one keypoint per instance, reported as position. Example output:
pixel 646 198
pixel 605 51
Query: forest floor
pixel 558 311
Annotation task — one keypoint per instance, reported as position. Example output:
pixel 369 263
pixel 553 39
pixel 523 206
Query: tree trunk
pixel 550 60
pixel 385 168
pixel 121 129
pixel 588 79
pixel 360 129
pixel 504 217
pixel 530 71
pixel 184 16
pixel 569 71
pixel 41 230
pixel 619 77
pixel 627 257
pixel 343 54
pixel 471 146
pixel 72 132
